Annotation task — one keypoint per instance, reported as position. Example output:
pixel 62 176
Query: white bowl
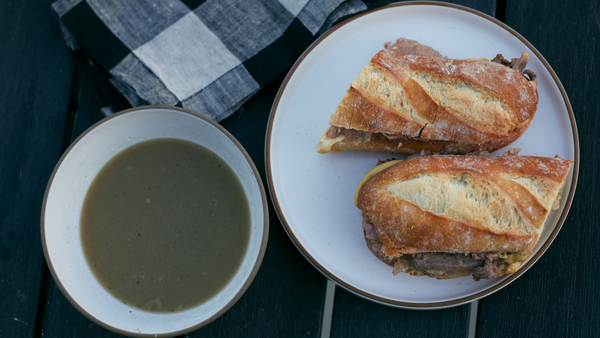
pixel 67 189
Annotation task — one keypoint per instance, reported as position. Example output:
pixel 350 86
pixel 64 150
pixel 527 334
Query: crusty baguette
pixel 402 103
pixel 460 204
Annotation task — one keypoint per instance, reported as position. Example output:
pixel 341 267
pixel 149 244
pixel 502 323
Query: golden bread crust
pixel 466 104
pixel 466 204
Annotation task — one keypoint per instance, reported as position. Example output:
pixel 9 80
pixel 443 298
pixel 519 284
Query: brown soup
pixel 165 225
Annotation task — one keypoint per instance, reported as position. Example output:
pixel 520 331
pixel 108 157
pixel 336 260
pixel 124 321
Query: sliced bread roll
pixel 403 103
pixel 461 211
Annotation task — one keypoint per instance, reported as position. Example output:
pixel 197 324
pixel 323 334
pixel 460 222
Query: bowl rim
pixel 257 262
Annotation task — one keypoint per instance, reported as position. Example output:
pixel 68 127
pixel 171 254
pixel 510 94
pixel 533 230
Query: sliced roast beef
pixel 372 238
pixel 351 134
pixel 362 135
pixel 333 132
pixel 439 265
pixel 407 46
pixel 445 262
pixel 444 265
pixel 489 270
pixel 517 64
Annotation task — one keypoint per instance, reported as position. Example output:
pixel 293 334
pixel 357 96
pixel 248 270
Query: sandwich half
pixel 410 98
pixel 449 216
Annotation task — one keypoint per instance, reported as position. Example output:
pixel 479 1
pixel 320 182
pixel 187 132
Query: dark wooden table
pixel 44 106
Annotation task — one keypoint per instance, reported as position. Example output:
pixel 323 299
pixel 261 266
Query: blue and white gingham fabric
pixel 209 56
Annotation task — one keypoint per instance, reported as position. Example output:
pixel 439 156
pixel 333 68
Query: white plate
pixel 313 193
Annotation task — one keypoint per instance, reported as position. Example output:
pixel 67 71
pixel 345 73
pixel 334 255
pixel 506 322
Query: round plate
pixel 314 193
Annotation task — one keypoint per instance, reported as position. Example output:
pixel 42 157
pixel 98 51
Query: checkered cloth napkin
pixel 209 56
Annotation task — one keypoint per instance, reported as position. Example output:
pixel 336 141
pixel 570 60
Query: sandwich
pixel 410 98
pixel 449 216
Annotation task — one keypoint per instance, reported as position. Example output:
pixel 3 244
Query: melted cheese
pixel 513 262
pixel 478 59
pixel 370 175
pixel 325 143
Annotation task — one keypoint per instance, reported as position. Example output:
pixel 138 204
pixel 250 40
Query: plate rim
pixel 406 304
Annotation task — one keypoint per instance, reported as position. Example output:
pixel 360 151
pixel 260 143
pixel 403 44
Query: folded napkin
pixel 209 56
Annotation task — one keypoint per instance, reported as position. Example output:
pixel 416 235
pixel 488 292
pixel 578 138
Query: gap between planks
pixel 328 309
pixel 328 313
pixel 473 319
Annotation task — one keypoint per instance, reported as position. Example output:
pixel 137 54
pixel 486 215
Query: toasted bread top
pixel 464 204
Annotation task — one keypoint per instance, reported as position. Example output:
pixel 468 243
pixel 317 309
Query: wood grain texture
pixel 559 295
pixel 356 317
pixel 61 319
pixel 36 70
pixel 87 113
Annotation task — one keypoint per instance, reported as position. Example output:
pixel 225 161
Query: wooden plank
pixel 559 295
pixel 487 7
pixel 88 113
pixel 36 72
pixel 355 316
pixel 61 319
